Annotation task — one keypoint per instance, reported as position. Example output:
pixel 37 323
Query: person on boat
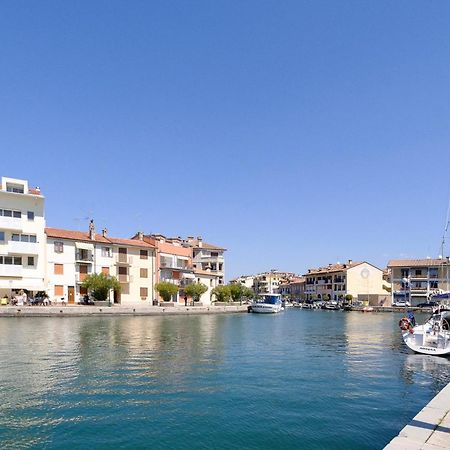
pixel 411 318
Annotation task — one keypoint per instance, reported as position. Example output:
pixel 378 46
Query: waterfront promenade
pixel 116 310
pixel 430 429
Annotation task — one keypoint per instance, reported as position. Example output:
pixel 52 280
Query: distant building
pixel 418 279
pixel 361 280
pixel 265 282
pixel 293 290
pixel 245 280
pixel 22 238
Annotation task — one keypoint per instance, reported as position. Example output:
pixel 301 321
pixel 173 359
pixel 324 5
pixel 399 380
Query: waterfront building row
pixel 35 258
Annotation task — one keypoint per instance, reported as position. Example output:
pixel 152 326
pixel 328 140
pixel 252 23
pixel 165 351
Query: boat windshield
pixel 270 299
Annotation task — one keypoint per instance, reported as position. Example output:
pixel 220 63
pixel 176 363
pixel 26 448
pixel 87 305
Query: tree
pixel 195 290
pixel 100 284
pixel 349 297
pixel 248 293
pixel 236 291
pixel 166 290
pixel 222 293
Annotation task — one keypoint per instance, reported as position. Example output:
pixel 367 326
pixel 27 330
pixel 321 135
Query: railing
pixel 27 248
pixel 11 223
pixel 80 256
pixel 11 270
pixel 124 259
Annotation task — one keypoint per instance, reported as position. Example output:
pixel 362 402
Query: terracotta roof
pixel 84 236
pixel 194 243
pixel 417 262
pixel 332 268
pixel 34 191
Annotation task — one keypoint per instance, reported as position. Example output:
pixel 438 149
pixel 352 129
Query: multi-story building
pixel 294 290
pixel 22 238
pixel 269 282
pixel 185 261
pixel 361 280
pixel 207 257
pixel 417 280
pixel 173 262
pixel 245 280
pixel 73 255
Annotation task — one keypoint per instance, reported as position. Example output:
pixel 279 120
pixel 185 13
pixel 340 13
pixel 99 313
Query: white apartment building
pixel 73 255
pixel 22 237
pixel 207 257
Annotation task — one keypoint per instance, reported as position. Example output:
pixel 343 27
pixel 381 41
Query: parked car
pixel 401 303
pixel 428 305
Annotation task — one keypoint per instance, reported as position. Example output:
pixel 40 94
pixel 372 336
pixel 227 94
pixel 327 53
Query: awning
pixel 188 275
pixel 84 246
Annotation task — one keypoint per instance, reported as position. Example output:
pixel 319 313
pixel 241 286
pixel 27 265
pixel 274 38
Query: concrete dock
pixel 430 429
pixel 105 310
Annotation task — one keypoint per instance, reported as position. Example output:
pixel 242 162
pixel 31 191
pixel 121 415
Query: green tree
pixel 166 290
pixel 195 290
pixel 100 284
pixel 221 293
pixel 349 297
pixel 248 293
pixel 236 291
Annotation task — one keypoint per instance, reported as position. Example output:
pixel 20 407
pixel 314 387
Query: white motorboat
pixel 267 303
pixel 431 338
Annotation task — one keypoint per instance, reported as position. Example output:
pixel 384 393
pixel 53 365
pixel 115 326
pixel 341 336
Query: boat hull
pixel 425 341
pixel 265 308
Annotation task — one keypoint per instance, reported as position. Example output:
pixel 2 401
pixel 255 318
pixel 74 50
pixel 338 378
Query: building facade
pixel 73 255
pixel 361 280
pixel 417 280
pixel 22 238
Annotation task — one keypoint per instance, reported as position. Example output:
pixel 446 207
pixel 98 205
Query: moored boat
pixel 431 338
pixel 267 303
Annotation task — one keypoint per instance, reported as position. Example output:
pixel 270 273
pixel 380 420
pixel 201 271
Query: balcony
pixel 124 259
pixel 9 270
pixel 85 257
pixel 124 278
pixel 424 276
pixel 23 248
pixel 10 223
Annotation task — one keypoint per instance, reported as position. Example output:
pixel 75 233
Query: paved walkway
pixel 430 429
pixel 138 310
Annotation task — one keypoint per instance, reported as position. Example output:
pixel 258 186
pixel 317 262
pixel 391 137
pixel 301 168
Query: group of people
pixel 21 298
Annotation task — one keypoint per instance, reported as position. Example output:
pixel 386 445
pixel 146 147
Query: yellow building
pixel 361 280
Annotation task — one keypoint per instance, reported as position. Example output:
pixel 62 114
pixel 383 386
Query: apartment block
pixel 22 237
pixel 294 290
pixel 362 280
pixel 270 282
pixel 207 257
pixel 73 255
pixel 417 280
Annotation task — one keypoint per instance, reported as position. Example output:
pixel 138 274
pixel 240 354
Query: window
pixel 144 254
pixel 58 247
pixel 123 270
pixel 17 188
pixel 106 252
pixel 33 238
pixel 122 250
pixel 30 215
pixel 144 292
pixel 144 273
pixel 105 270
pixel 2 235
pixel 17 260
pixel 418 272
pixel 59 290
pixel 7 213
pixel 214 254
pixel 59 269
pixel 30 261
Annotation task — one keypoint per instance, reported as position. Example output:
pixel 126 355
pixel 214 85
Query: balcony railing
pixel 9 270
pixel 124 259
pixel 23 248
pixel 10 223
pixel 85 257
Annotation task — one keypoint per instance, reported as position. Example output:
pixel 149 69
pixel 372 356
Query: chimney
pixel 200 241
pixel 91 230
pixel 104 232
pixel 350 261
pixel 140 235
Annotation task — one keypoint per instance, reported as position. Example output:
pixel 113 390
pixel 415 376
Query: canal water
pixel 297 380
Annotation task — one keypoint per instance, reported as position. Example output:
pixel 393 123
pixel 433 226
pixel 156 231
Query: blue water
pixel 297 380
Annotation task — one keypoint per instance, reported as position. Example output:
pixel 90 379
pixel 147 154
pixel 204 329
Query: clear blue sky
pixel 294 133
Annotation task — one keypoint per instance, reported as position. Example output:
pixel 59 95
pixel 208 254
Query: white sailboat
pixel 431 338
